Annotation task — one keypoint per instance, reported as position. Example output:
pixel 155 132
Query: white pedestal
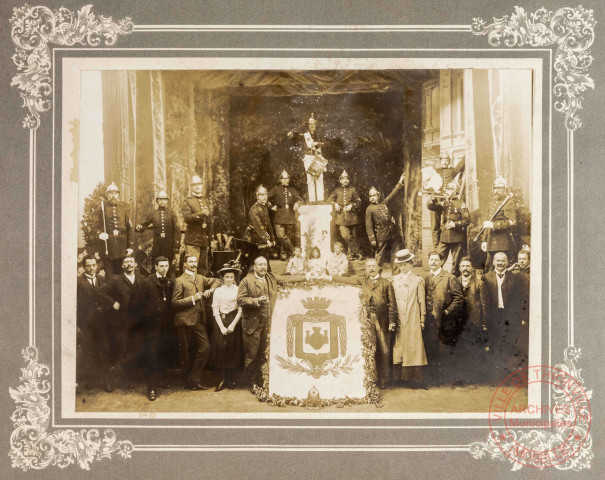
pixel 315 227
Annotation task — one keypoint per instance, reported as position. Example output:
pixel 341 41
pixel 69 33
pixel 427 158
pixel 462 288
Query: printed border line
pixel 549 51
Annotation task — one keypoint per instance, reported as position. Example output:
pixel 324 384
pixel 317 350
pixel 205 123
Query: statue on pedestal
pixel 315 164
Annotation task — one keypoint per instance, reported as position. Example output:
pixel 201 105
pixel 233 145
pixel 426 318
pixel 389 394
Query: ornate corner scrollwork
pixel 548 440
pixel 35 29
pixel 33 446
pixel 571 30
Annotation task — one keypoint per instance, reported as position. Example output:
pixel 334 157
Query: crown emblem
pixel 316 303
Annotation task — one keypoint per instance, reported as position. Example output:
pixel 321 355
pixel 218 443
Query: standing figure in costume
pixel 197 213
pixel 166 231
pixel 259 234
pixel 226 340
pixel 315 164
pixel 454 219
pixel 285 201
pixel 380 225
pixel 346 202
pixel 447 174
pixel 498 234
pixel 409 355
pixel 114 231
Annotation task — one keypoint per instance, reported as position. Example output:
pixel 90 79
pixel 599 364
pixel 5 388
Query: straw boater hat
pixel 230 266
pixel 404 256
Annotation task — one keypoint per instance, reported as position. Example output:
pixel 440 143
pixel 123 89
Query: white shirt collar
pixel 262 279
pixel 158 275
pixel 130 277
pixel 376 277
pixel 189 272
pixel 436 272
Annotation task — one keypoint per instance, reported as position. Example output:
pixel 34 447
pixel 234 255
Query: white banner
pixel 316 345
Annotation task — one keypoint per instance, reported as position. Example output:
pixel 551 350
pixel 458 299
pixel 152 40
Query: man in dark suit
pixel 444 303
pixel 166 231
pixel 257 294
pixel 454 220
pixel 380 225
pixel 124 296
pixel 190 320
pixel 507 308
pixel 114 229
pixel 285 201
pixel 470 348
pixel 90 322
pixel 197 213
pixel 377 297
pixel 158 316
pixel 259 234
pixel 346 202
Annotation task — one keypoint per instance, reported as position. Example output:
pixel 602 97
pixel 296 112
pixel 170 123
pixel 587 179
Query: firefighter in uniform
pixel 447 174
pixel 114 231
pixel 197 215
pixel 380 225
pixel 346 202
pixel 454 220
pixel 498 236
pixel 284 201
pixel 259 236
pixel 166 231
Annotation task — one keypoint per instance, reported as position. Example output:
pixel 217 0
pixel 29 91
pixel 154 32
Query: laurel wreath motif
pixel 333 367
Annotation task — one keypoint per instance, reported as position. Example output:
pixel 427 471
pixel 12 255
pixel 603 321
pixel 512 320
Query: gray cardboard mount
pixel 272 461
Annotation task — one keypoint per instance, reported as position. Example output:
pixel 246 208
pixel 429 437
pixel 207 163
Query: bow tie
pixel 500 275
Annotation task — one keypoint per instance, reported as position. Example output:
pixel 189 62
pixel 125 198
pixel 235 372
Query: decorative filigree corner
pixel 545 440
pixel 33 446
pixel 35 29
pixel 571 30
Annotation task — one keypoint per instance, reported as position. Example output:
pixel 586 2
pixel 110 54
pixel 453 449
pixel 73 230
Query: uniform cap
pixel 261 189
pixel 373 191
pixel 453 185
pixel 312 119
pixel 444 155
pixel 112 188
pixel 162 194
pixel 284 174
pixel 195 180
pixel 344 174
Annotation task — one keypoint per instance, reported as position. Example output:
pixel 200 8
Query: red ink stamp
pixel 540 435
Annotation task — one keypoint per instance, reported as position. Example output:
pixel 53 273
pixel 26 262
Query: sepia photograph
pixel 280 241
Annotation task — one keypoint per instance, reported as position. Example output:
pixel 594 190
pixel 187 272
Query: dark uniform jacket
pixel 185 287
pixel 474 296
pixel 448 174
pixel 89 300
pixel 380 225
pixel 445 302
pixel 344 196
pixel 516 306
pixel 284 199
pixel 166 233
pixel 199 225
pixel 453 210
pixel 259 225
pixel 500 237
pixel 524 272
pixel 130 296
pixel 254 314
pixel 159 298
pixel 119 229
pixel 378 294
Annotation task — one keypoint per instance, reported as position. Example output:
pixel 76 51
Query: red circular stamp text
pixel 540 435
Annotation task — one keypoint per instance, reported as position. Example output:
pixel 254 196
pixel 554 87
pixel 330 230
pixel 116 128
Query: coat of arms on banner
pixel 317 342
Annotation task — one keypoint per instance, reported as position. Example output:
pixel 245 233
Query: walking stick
pixel 104 226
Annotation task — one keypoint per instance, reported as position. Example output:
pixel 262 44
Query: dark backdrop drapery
pixel 162 127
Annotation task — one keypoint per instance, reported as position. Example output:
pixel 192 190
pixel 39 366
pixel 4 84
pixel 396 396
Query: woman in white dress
pixel 227 347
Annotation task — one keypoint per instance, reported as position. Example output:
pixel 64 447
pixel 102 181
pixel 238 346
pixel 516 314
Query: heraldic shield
pixel 317 338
